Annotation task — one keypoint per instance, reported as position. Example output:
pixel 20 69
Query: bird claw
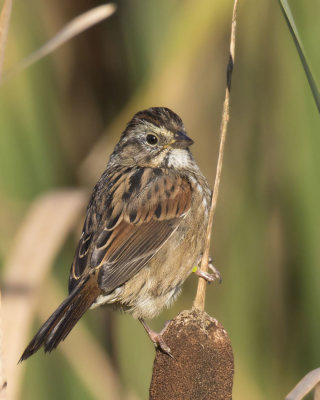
pixel 157 338
pixel 161 344
pixel 209 277
pixel 205 275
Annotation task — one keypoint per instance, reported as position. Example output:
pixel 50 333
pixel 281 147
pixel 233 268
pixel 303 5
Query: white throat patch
pixel 179 158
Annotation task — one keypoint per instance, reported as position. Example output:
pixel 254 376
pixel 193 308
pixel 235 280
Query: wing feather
pixel 138 214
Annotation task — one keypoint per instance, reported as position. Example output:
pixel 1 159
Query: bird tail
pixel 60 323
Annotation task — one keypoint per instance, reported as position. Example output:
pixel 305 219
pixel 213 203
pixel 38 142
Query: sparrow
pixel 144 229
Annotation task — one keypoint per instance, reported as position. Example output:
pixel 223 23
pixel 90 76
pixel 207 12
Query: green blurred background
pixel 60 119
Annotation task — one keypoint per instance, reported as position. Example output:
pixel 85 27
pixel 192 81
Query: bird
pixel 143 233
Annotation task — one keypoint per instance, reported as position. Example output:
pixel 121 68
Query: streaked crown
pixel 161 117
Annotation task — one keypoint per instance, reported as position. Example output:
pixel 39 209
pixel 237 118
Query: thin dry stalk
pixel 199 301
pixel 317 392
pixel 3 382
pixel 202 365
pixel 4 27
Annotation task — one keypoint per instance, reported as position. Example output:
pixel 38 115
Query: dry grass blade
pixel 199 300
pixel 4 26
pixel 41 235
pixel 100 379
pixel 307 383
pixel 72 29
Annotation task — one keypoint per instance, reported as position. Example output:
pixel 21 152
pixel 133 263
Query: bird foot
pixel 205 275
pixel 157 338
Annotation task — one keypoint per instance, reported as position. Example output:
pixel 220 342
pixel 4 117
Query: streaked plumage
pixel 144 229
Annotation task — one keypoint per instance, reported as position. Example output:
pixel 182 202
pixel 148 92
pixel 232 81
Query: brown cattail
pixel 202 364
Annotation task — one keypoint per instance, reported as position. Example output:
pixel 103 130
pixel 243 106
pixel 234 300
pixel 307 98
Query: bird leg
pixel 205 275
pixel 157 338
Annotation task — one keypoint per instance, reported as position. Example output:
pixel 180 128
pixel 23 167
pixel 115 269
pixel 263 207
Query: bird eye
pixel 152 139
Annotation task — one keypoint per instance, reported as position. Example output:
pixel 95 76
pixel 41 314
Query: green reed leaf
pixel 297 41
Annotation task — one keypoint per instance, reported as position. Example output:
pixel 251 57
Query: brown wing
pixel 146 207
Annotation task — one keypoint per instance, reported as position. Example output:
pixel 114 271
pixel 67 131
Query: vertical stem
pixel 3 382
pixel 4 26
pixel 317 392
pixel 199 301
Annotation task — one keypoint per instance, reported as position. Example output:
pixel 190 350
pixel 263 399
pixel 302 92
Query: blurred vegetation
pixel 267 226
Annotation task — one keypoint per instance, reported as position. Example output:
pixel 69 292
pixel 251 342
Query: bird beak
pixel 181 141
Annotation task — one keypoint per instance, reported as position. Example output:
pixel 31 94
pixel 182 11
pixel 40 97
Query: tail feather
pixel 60 323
